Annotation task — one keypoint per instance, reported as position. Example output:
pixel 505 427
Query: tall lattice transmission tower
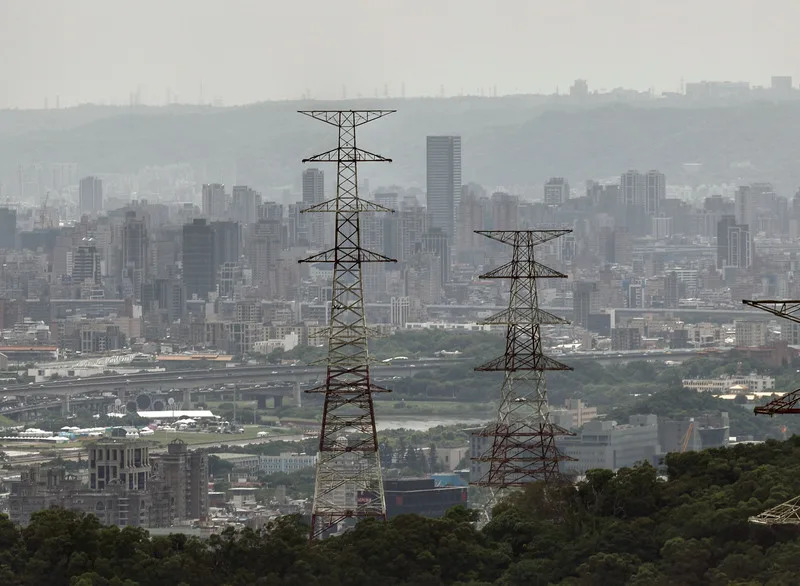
pixel 519 446
pixel 348 483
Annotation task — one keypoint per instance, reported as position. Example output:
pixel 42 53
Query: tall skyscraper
pixel 135 246
pixel 743 205
pixel 632 188
pixel 556 192
pixel 313 225
pixel 725 222
pixel 671 290
pixel 444 181
pixel 655 192
pixel 199 270
pixel 90 195
pixel 214 200
pixel 8 228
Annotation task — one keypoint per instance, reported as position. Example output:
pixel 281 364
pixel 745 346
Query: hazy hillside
pixel 506 141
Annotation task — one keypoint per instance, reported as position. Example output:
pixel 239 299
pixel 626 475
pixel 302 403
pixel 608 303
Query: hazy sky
pixel 249 50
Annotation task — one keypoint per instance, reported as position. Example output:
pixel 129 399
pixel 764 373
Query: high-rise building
pixel 135 247
pixel 184 476
pixel 743 205
pixel 86 262
pixel 412 221
pixel 505 211
pixel 263 253
pixel 750 333
pixel 389 225
pixel 725 222
pixel 436 242
pixel 313 187
pixel 582 302
pixel 8 228
pixel 632 188
pixel 655 192
pixel 227 242
pixel 125 463
pixel 90 195
pixel 244 204
pixel 661 227
pixel 556 191
pixel 399 311
pixel 199 270
pixel 471 217
pixel 214 200
pixel 671 290
pixel 313 224
pixel 443 181
pixel 740 247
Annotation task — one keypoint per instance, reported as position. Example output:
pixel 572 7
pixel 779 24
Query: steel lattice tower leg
pixel 348 483
pixel 520 444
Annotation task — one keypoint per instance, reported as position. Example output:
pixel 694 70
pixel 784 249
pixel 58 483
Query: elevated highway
pixel 196 379
pixel 248 375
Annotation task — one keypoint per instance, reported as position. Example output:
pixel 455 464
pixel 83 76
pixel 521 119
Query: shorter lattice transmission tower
pixel 348 484
pixel 519 446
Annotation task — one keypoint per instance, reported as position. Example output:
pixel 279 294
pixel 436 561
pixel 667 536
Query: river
pixel 425 424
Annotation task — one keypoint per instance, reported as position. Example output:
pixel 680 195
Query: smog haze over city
pixel 99 51
pixel 442 292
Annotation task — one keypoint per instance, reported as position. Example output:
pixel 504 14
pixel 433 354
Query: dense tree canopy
pixel 632 527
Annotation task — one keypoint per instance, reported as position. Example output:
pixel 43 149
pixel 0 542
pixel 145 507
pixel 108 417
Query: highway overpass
pixel 271 374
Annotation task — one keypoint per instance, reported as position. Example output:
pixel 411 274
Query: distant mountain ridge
pixel 505 141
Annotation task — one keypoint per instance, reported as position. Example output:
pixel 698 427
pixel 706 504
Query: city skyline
pixel 176 64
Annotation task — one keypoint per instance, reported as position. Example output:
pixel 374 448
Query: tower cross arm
pixel 786 308
pixel 346 117
pixel 522 237
pixel 347 155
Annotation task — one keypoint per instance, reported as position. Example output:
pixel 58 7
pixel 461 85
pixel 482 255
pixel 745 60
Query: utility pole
pixel 348 484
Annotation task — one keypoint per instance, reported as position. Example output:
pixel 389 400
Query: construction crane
pixel 787 513
pixel 687 437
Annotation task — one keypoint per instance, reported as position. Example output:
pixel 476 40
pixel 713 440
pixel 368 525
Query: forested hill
pixel 506 141
pixel 631 528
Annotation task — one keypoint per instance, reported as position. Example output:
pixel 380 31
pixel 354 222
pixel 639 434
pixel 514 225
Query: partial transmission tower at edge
pixel 519 447
pixel 348 484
